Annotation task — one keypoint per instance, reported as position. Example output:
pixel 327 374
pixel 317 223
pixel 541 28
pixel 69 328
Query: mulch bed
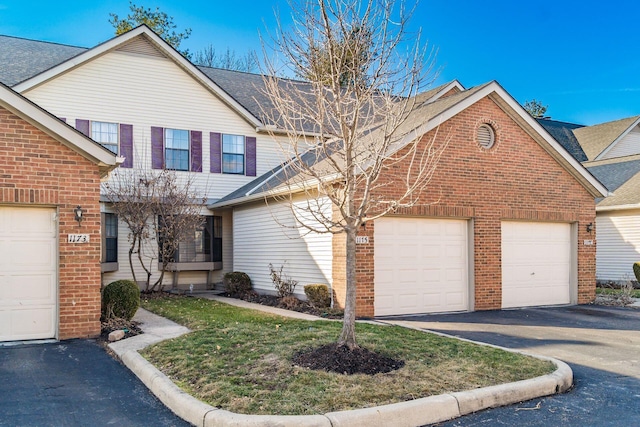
pixel 130 328
pixel 339 358
pixel 288 303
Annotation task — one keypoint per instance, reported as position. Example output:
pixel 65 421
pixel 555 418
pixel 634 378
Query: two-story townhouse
pixel 507 220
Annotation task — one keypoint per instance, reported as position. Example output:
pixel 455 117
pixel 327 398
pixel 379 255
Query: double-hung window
pixel 233 149
pixel 106 134
pixel 109 238
pixel 176 149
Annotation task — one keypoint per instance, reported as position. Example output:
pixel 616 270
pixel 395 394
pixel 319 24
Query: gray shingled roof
pixel 627 194
pixel 279 175
pixel 595 139
pixel 614 175
pixel 21 59
pixel 563 133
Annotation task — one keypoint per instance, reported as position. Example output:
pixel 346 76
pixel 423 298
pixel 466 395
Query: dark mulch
pixel 340 359
pixel 288 303
pixel 130 328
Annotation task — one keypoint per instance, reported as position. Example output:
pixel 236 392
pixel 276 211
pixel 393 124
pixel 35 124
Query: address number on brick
pixel 362 240
pixel 78 238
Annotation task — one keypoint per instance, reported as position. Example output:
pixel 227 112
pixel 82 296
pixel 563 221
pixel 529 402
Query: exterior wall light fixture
pixel 78 212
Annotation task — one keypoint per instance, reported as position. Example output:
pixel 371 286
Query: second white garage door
pixel 28 273
pixel 420 266
pixel 536 264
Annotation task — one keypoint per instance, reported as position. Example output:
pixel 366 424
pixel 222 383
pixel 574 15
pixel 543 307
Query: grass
pixel 612 291
pixel 240 360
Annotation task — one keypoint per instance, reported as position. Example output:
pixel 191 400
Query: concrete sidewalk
pixel 412 413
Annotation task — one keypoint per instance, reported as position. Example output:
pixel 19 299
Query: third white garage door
pixel 536 264
pixel 420 266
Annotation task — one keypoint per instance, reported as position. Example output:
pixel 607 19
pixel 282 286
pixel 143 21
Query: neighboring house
pixel 505 219
pixel 49 263
pixel 611 152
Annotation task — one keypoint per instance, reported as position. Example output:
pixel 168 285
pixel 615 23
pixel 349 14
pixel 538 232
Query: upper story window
pixel 233 154
pixel 106 134
pixel 176 149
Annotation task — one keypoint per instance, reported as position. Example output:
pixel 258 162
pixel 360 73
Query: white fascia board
pixel 163 46
pixel 617 208
pixel 453 84
pixel 613 144
pixel 56 128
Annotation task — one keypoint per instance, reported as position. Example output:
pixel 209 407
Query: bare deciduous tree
pixel 356 114
pixel 229 60
pixel 154 205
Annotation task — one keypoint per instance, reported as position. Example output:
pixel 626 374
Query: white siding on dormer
pixel 618 244
pixel 259 240
pixel 146 91
pixel 627 146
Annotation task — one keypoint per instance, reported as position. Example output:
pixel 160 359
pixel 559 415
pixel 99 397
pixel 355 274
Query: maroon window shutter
pixel 250 153
pixel 215 143
pixel 83 126
pixel 196 151
pixel 126 145
pixel 157 147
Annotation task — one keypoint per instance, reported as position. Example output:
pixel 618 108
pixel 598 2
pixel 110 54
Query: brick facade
pixel 514 180
pixel 37 170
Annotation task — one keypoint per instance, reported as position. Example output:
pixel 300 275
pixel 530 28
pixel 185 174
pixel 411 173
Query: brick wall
pixel 37 170
pixel 515 180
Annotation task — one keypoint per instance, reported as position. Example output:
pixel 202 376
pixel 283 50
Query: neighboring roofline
pixel 453 84
pixel 117 41
pixel 59 130
pixel 615 141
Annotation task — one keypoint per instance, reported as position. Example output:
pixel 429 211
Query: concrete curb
pixel 428 410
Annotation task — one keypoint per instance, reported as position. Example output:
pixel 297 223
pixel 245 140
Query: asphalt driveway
pixel 74 383
pixel 601 344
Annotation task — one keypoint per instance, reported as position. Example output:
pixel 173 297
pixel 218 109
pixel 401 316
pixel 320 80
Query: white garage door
pixel 536 264
pixel 420 266
pixel 27 273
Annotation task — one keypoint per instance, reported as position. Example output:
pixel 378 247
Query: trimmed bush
pixel 120 299
pixel 318 295
pixel 236 283
pixel 636 270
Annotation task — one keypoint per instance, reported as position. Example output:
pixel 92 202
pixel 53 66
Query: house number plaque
pixel 362 240
pixel 78 238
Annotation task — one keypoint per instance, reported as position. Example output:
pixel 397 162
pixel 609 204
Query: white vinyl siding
pixel 127 96
pixel 259 240
pixel 618 244
pixel 536 264
pixel 150 257
pixel 421 266
pixel 627 146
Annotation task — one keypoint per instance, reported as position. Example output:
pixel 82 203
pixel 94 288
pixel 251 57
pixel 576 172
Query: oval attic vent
pixel 486 136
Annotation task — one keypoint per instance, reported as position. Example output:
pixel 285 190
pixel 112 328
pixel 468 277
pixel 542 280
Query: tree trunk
pixel 348 335
pixel 131 250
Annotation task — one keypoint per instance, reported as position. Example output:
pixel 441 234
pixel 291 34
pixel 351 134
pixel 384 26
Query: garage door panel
pixel 28 273
pixel 536 263
pixel 432 277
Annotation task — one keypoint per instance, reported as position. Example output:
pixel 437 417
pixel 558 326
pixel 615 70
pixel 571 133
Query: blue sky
pixel 578 57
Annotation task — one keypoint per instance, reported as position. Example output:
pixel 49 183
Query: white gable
pixel 628 145
pixel 136 84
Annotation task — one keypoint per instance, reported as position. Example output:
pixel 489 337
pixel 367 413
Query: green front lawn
pixel 240 360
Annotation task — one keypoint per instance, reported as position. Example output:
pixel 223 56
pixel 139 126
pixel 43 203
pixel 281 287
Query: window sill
pixel 106 267
pixel 193 266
